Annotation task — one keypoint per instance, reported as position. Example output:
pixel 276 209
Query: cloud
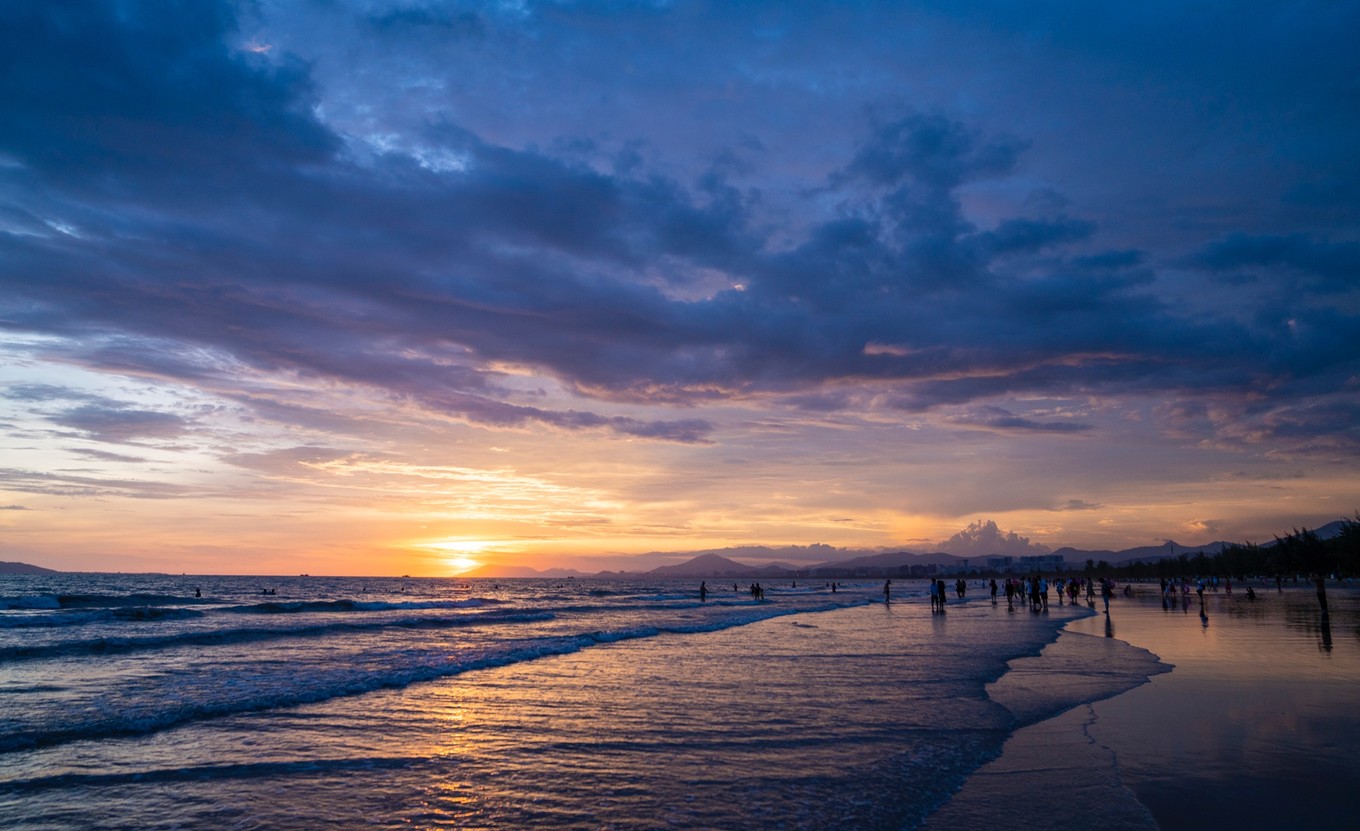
pixel 931 150
pixel 41 393
pixel 997 418
pixel 1331 266
pixel 105 456
pixel 1032 235
pixel 438 264
pixel 60 483
pixel 157 91
pixel 1079 505
pixel 121 425
pixel 984 538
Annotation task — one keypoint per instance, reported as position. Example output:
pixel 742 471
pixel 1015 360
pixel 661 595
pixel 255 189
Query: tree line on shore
pixel 1299 552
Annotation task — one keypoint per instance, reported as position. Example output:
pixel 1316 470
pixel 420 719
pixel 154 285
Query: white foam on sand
pixel 1049 773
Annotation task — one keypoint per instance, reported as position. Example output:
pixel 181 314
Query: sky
pixel 403 286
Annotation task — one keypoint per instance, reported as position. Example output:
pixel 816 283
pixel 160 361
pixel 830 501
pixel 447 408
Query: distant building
pixel 1043 562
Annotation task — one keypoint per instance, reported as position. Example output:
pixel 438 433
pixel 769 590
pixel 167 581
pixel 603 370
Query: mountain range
pixel 719 563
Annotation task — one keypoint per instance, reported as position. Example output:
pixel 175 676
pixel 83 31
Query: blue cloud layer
pixel 166 188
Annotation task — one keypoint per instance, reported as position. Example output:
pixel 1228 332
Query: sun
pixel 461 564
pixel 459 550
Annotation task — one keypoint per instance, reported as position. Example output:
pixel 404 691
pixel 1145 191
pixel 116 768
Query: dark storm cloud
pixel 1331 267
pixel 181 207
pixel 1030 235
pixel 147 91
pixel 933 151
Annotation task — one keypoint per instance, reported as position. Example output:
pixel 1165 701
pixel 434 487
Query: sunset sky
pixel 399 286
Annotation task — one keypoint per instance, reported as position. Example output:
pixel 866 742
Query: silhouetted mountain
pixel 494 570
pixel 1326 532
pixel 708 565
pixel 888 560
pixel 25 568
pixel 1079 556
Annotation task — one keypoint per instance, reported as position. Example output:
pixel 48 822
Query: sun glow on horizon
pixel 461 552
pixel 461 564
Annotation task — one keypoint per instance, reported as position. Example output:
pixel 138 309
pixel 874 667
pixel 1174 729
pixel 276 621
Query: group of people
pixel 938 595
pixel 1170 589
pixel 1034 589
pixel 757 590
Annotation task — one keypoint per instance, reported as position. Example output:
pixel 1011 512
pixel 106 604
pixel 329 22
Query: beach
pixel 1254 726
pixel 612 705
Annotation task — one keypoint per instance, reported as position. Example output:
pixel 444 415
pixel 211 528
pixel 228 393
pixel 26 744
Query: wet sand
pixel 1256 726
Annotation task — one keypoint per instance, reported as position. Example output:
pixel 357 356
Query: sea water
pixel 132 702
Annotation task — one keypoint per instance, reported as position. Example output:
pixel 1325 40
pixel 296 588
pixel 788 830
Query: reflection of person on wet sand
pixel 1321 583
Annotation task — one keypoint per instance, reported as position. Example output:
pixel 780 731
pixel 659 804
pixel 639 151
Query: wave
pixel 94 601
pixel 102 725
pixel 84 617
pixel 198 773
pixel 127 644
pixel 286 607
pixel 417 668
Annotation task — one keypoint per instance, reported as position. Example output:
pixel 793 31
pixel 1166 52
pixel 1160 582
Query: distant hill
pixel 493 570
pixel 720 562
pixel 1326 532
pixel 707 565
pixel 1145 553
pixel 25 568
pixel 888 560
pixel 1171 548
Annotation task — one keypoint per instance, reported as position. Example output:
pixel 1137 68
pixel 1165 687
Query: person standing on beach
pixel 934 597
pixel 939 584
pixel 703 591
pixel 1106 592
pixel 887 591
pixel 993 586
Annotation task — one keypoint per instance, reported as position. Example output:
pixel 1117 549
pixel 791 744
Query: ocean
pixel 130 701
